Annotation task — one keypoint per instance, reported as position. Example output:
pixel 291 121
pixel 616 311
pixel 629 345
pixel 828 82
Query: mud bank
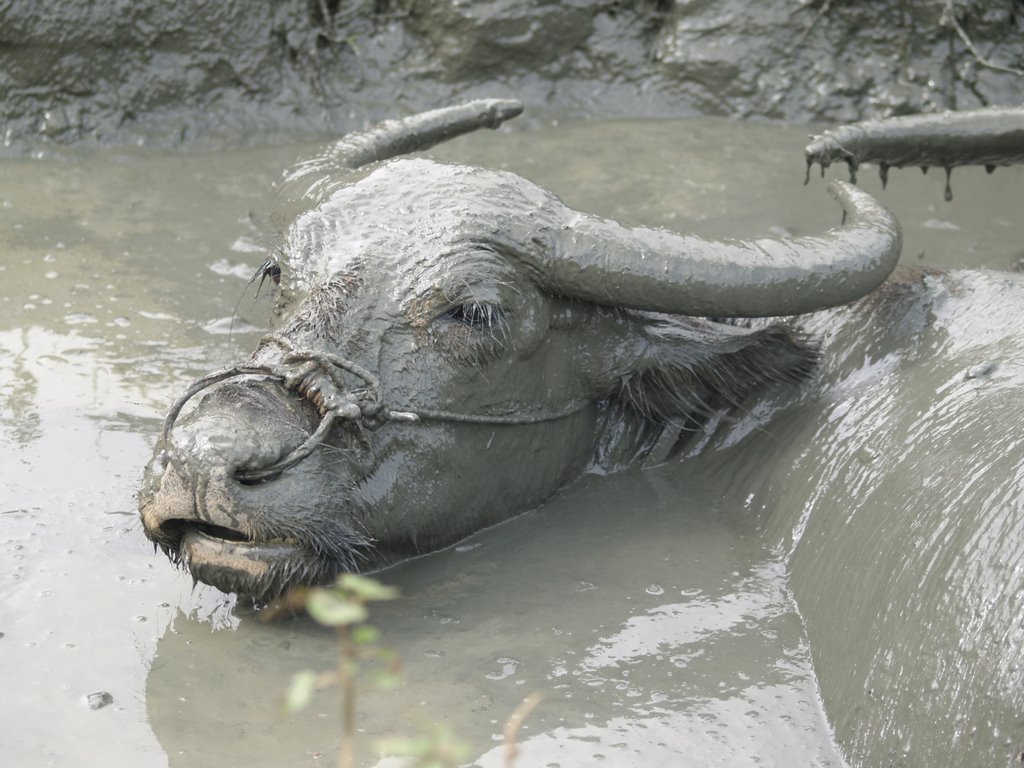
pixel 202 74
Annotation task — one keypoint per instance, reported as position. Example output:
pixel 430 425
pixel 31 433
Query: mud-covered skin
pixel 894 486
pixel 989 137
pixel 526 339
pixel 901 507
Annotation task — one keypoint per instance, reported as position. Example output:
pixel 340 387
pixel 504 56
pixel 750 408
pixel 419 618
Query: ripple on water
pixel 228 325
pixel 79 318
pixel 507 668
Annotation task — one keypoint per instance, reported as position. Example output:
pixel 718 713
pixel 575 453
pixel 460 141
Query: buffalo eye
pixel 475 315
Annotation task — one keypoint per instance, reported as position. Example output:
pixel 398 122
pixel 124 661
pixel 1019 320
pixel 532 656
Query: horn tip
pixel 491 113
pixel 501 110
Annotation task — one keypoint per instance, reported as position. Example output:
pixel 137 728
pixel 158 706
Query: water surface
pixel 646 606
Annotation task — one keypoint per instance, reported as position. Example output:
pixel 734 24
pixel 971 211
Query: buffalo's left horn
pixel 604 262
pixel 313 179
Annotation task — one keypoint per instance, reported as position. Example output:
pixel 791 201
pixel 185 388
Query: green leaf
pixel 405 746
pixel 385 679
pixel 364 634
pixel 365 588
pixel 300 692
pixel 438 748
pixel 333 610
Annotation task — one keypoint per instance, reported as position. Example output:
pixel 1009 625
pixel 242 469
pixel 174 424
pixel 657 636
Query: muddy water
pixel 647 607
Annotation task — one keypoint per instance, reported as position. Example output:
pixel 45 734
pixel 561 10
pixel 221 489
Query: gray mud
pixel 650 608
pixel 209 74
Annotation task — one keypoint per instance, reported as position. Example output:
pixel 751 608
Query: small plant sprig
pixel 342 606
pixel 438 748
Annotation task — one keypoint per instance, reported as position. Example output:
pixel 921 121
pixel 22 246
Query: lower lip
pixel 248 556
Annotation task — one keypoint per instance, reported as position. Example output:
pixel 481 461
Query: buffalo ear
pixel 681 370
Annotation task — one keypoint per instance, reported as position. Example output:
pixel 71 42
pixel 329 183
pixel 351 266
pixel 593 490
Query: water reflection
pixel 717 660
pixel 19 390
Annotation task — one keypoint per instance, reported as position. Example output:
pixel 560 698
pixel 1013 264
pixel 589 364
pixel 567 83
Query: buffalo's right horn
pixel 652 269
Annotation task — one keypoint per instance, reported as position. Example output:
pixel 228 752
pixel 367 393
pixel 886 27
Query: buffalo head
pixel 454 344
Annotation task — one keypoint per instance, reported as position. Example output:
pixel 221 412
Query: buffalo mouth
pixel 260 568
pixel 210 543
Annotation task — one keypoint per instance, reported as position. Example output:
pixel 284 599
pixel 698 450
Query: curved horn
pixel 990 137
pixel 312 179
pixel 604 262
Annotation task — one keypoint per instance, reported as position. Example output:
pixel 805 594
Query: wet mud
pixel 653 608
pixel 201 74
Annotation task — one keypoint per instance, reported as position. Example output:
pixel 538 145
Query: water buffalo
pixel 454 344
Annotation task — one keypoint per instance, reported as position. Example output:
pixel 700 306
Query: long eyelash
pixel 477 332
pixel 476 314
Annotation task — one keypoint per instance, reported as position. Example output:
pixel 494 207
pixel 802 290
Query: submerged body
pixel 905 494
pixel 895 486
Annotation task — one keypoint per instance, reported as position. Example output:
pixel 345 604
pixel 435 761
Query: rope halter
pixel 318 377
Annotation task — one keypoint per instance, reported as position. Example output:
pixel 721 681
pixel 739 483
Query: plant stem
pixel 347 683
pixel 513 724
